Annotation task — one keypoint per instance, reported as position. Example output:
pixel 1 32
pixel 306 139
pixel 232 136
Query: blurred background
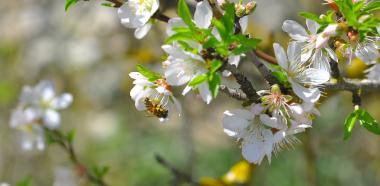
pixel 87 52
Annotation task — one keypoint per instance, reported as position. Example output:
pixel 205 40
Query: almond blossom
pixel 300 76
pixel 38 108
pixel 314 46
pixel 137 14
pixel 181 67
pixel 156 97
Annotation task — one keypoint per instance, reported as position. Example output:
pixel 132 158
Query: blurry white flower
pixel 137 14
pixel 156 98
pixel 4 184
pixel 38 108
pixel 298 74
pixel 315 45
pixel 182 67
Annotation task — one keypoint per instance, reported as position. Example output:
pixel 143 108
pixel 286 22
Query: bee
pixel 155 109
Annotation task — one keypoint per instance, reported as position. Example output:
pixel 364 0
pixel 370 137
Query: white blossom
pixel 38 108
pixel 298 74
pixel 136 14
pixel 154 97
pixel 315 46
pixel 181 67
pixel 373 73
pixel 261 134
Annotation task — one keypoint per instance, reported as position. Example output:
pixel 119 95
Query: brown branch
pixel 245 85
pixel 353 85
pixel 265 72
pixel 233 93
pixel 268 58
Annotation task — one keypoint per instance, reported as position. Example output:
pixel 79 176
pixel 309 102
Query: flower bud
pixel 275 89
pixel 250 7
pixel 240 10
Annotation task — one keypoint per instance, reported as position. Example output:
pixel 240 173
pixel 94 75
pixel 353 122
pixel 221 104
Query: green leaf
pixel 180 36
pixel 214 81
pixel 198 80
pixel 184 13
pixel 368 122
pixel 100 172
pixel 310 16
pixel 151 75
pixel 282 77
pixel 245 44
pixel 25 182
pixel 69 4
pixel 372 6
pixel 108 5
pixel 349 124
pixel 215 65
pixel 70 136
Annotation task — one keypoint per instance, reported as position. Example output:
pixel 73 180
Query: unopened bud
pixel 353 35
pixel 240 10
pixel 275 89
pixel 250 7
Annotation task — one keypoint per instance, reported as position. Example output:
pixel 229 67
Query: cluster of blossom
pixel 269 126
pixel 38 110
pixel 266 126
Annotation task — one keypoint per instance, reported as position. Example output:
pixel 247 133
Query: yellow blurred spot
pixel 240 173
pixel 207 181
pixel 355 69
pixel 143 56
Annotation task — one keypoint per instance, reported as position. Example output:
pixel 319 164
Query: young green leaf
pixel 368 122
pixel 184 13
pixel 310 16
pixel 214 81
pixel 372 6
pixel 198 80
pixel 215 65
pixel 151 75
pixel 70 3
pixel 349 124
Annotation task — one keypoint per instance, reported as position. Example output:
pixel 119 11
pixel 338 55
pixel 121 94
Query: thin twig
pixel 268 58
pixel 68 147
pixel 352 85
pixel 179 176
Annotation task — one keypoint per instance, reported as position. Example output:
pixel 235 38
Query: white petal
pixel 234 60
pixel 254 152
pixel 314 76
pixel 173 23
pixel 271 122
pixel 234 126
pixel 244 114
pixel 294 52
pixel 186 90
pixel 312 26
pixel 243 24
pixel 205 92
pixel 140 32
pixel 295 30
pixel 62 101
pixel 52 119
pixel 306 94
pixel 280 56
pixel 332 54
pixel 203 14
